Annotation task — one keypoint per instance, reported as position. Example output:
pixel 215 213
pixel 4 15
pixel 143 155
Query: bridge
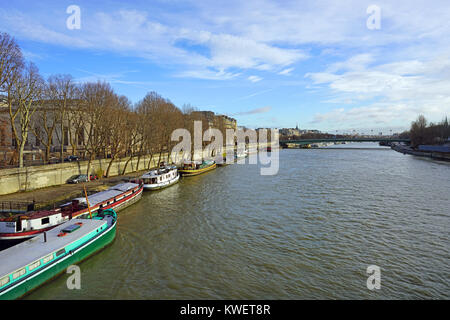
pixel 350 139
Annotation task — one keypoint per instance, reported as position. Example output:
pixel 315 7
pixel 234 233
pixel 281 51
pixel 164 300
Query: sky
pixel 335 66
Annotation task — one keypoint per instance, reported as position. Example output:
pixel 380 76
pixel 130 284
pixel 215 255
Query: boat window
pixel 19 273
pixel 60 252
pixel 34 265
pixel 4 281
pixel 45 220
pixel 48 258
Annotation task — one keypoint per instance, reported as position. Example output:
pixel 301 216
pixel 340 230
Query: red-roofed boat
pixel 27 225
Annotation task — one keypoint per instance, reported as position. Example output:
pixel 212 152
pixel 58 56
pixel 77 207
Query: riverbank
pixel 15 180
pixel 52 189
pixel 49 197
pixel 429 154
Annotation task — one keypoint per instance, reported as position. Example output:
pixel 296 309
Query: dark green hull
pixel 56 269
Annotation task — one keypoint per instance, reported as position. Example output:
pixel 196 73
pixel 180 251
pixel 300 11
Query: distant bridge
pixel 311 141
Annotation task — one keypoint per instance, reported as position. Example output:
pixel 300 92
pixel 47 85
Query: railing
pixel 16 206
pixel 380 139
pixel 40 162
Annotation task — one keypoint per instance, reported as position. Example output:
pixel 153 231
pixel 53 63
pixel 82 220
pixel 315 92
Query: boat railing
pixel 17 206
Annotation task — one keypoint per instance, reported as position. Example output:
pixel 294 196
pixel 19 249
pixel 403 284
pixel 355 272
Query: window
pixel 60 252
pixel 4 281
pixel 66 136
pixel 34 265
pixel 45 220
pixel 48 258
pixel 19 273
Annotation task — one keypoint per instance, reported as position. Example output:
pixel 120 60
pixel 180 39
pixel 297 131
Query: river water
pixel 309 232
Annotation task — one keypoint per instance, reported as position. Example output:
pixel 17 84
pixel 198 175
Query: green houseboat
pixel 28 265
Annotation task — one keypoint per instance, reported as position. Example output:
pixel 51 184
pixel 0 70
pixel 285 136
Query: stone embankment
pixel 430 154
pixel 36 177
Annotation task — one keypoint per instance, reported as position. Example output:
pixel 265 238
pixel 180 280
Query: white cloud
pixel 254 78
pixel 254 111
pixel 387 93
pixel 286 72
pixel 399 70
pixel 207 74
pixel 133 32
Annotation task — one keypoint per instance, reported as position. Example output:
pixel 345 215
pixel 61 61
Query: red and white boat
pixel 28 225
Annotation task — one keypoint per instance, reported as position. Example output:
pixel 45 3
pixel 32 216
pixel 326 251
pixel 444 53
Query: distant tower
pixel 296 127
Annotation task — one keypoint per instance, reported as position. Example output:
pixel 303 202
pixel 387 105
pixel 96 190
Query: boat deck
pixel 27 252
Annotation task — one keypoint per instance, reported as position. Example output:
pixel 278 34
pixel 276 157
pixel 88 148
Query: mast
pixel 87 201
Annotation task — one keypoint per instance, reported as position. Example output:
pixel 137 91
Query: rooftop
pixel 31 250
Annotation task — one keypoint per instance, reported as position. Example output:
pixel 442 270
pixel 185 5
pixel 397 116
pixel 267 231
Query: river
pixel 309 232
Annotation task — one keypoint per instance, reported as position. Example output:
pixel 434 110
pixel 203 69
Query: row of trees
pixel 422 132
pixel 90 117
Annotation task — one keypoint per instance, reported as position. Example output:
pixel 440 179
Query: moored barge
pixel 30 224
pixel 193 168
pixel 29 264
pixel 160 178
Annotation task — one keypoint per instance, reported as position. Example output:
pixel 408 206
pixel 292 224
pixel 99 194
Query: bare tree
pixel 62 91
pixel 24 94
pixel 11 59
pixel 134 141
pixel 115 117
pixel 44 125
pixel 98 97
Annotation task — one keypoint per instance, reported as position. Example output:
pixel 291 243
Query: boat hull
pixel 86 250
pixel 223 164
pixel 188 173
pixel 159 186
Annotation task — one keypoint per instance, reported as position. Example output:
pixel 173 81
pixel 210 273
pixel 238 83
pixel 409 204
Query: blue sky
pixel 266 63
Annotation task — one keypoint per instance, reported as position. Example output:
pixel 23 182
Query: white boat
pixel 161 178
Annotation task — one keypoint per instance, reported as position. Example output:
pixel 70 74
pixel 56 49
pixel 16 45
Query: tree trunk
pixel 150 162
pixel 139 160
pixel 21 148
pixel 47 153
pixel 61 152
pixel 109 167
pixel 126 164
pixel 89 167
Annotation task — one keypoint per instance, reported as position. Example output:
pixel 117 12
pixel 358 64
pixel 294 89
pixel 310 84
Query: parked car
pixel 78 178
pixel 71 158
pixel 93 177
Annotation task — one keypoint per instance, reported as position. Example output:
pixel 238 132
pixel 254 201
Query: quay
pixel 428 152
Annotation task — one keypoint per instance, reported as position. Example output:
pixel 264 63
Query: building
pixel 227 122
pixel 46 115
pixel 215 121
pixel 290 132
